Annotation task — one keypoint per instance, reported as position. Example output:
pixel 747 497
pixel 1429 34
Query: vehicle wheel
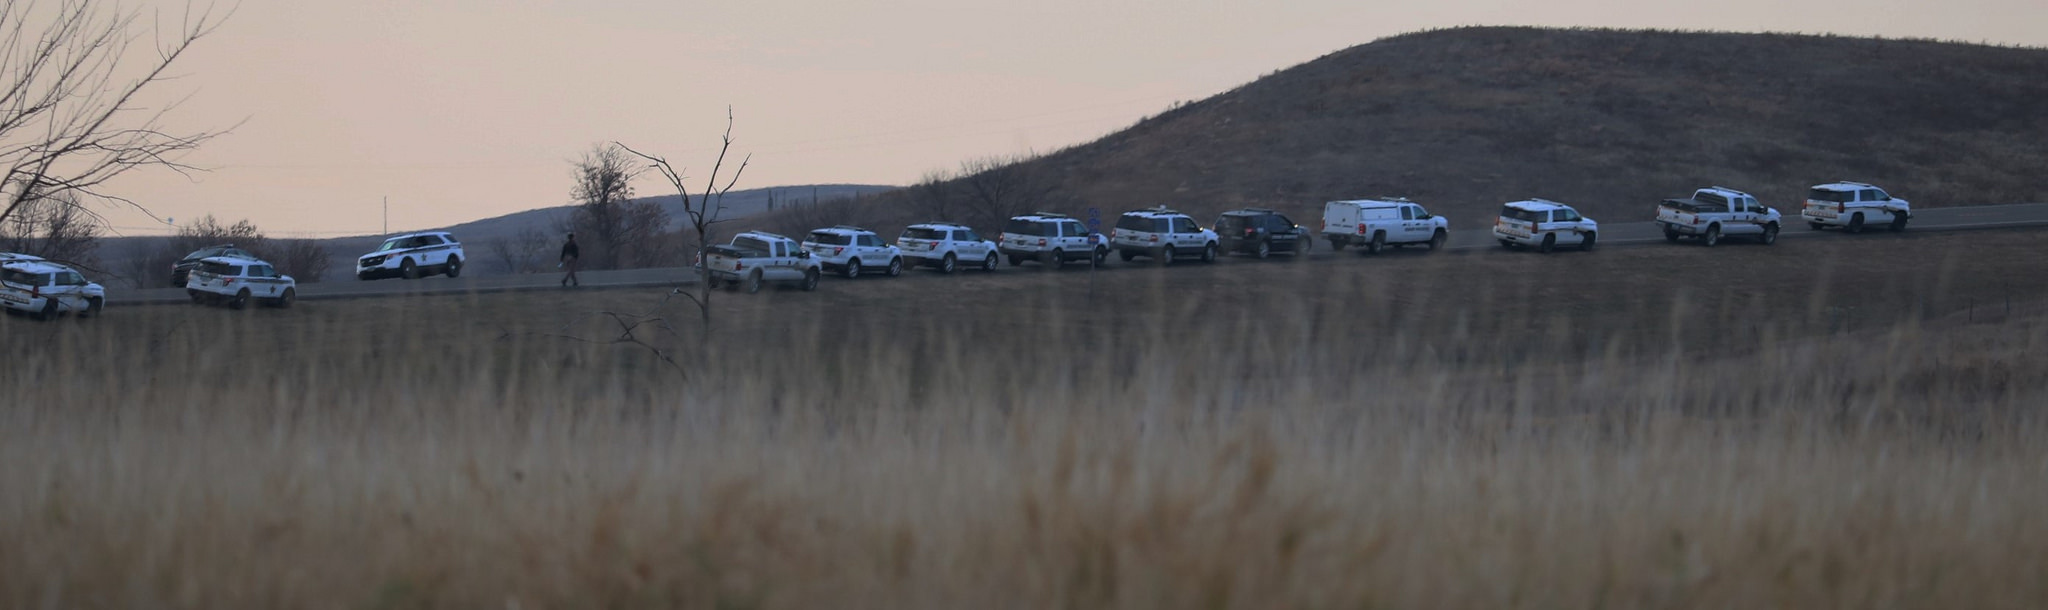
pixel 810 280
pixel 1856 223
pixel 1265 249
pixel 285 300
pixel 362 277
pixel 1058 259
pixel 1016 260
pixel 1814 226
pixel 1507 245
pixel 197 296
pixel 1587 245
pixel 754 281
pixel 1127 255
pixel 1378 244
pixel 1712 236
pixel 1302 244
pixel 1209 253
pixel 946 264
pixel 1770 234
pixel 1670 235
pixel 240 301
pixel 1337 245
pixel 1437 239
pixel 49 309
pixel 989 264
pixel 93 307
pixel 1166 255
pixel 732 286
pixel 454 269
pixel 1898 223
pixel 895 267
pixel 1101 257
pixel 1549 243
pixel 408 271
pixel 852 269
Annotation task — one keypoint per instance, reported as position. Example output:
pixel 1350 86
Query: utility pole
pixel 387 215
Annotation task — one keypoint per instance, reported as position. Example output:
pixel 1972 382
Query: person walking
pixel 569 255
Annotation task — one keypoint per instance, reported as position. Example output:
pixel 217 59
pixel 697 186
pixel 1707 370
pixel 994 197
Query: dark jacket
pixel 569 252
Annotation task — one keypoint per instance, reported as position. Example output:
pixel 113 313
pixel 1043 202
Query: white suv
pixel 1051 239
pixel 235 280
pixel 413 256
pixel 1163 235
pixel 1854 205
pixel 944 245
pixel 851 249
pixel 1544 224
pixel 47 289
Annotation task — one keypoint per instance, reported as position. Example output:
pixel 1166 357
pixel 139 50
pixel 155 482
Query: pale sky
pixel 465 109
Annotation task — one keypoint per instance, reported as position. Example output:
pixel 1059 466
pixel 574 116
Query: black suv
pixel 1261 232
pixel 184 266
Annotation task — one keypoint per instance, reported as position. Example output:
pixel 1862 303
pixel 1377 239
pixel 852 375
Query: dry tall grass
pixel 1469 451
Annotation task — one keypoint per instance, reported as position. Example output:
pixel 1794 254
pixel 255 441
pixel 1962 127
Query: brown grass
pixel 1510 434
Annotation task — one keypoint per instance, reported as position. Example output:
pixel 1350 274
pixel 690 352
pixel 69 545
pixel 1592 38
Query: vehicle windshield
pixel 1832 195
pixel 1028 227
pixel 394 244
pixel 1515 213
pixel 206 253
pixel 923 233
pixel 831 239
pixel 749 244
pixel 1141 223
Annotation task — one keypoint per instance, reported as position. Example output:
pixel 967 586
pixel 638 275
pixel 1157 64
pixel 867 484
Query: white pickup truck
pixel 756 257
pixel 1376 224
pixel 1716 212
pixel 1853 206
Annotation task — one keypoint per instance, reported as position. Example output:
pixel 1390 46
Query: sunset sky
pixel 463 109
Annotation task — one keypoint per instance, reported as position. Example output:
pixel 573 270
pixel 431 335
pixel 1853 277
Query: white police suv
pixel 849 250
pixel 413 256
pixel 236 281
pixel 47 289
pixel 1544 224
pixel 1051 239
pixel 944 246
pixel 1162 235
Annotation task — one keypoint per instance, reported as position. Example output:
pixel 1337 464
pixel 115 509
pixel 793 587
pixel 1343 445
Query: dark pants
pixel 569 279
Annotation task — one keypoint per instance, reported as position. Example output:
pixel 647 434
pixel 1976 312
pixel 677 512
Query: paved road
pixel 1611 233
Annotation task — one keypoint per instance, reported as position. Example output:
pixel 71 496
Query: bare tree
pixel 614 230
pixel 996 188
pixel 304 259
pixel 70 118
pixel 934 195
pixel 700 211
pixel 521 252
pixel 56 228
pixel 155 264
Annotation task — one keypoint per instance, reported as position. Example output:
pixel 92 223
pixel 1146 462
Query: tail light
pixel 1247 230
pixel 1841 207
pixel 738 265
pixel 1155 239
pixel 836 251
pixel 1041 241
pixel 1361 228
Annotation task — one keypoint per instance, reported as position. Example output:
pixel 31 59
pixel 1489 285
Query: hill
pixel 1608 120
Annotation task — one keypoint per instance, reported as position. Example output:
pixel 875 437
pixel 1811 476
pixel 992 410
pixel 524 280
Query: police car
pixel 1544 224
pixel 850 250
pixel 1162 235
pixel 944 245
pixel 1051 239
pixel 47 289
pixel 236 281
pixel 413 256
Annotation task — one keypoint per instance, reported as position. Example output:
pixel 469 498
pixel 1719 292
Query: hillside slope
pixel 1611 121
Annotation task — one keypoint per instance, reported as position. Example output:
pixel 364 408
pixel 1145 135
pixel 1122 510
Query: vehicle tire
pixel 1166 255
pixel 989 264
pixel 1437 239
pixel 1127 255
pixel 1591 239
pixel 1302 244
pixel 1712 236
pixel 49 311
pixel 1549 243
pixel 408 271
pixel 811 279
pixel 895 267
pixel 852 269
pixel 1507 245
pixel 1378 243
pixel 362 277
pixel 1058 259
pixel 1814 226
pixel 732 286
pixel 1209 253
pixel 1898 223
pixel 1337 244
pixel 1101 257
pixel 1770 234
pixel 198 298
pixel 1264 250
pixel 284 301
pixel 946 264
pixel 93 307
pixel 1856 223
pixel 1671 236
pixel 754 281
pixel 454 267
pixel 1016 260
pixel 240 301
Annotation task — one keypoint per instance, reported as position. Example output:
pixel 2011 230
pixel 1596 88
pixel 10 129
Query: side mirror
pixel 803 254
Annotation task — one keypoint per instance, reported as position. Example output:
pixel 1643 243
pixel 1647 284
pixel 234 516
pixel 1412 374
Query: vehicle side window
pixel 1879 195
pixel 1866 195
pixel 1407 212
pixel 868 241
pixel 1279 223
pixel 1185 225
pixel 778 249
pixel 70 278
pixel 1567 215
pixel 1073 229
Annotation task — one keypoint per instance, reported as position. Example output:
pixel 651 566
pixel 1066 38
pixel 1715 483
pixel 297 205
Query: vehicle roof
pixel 1538 205
pixel 1042 217
pixel 1376 203
pixel 14 257
pixel 1725 192
pixel 35 266
pixel 763 235
pixel 939 225
pixel 450 236
pixel 1843 186
pixel 1158 212
pixel 234 260
pixel 842 229
pixel 1250 212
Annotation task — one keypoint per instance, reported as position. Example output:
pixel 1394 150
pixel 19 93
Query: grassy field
pixel 1836 422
